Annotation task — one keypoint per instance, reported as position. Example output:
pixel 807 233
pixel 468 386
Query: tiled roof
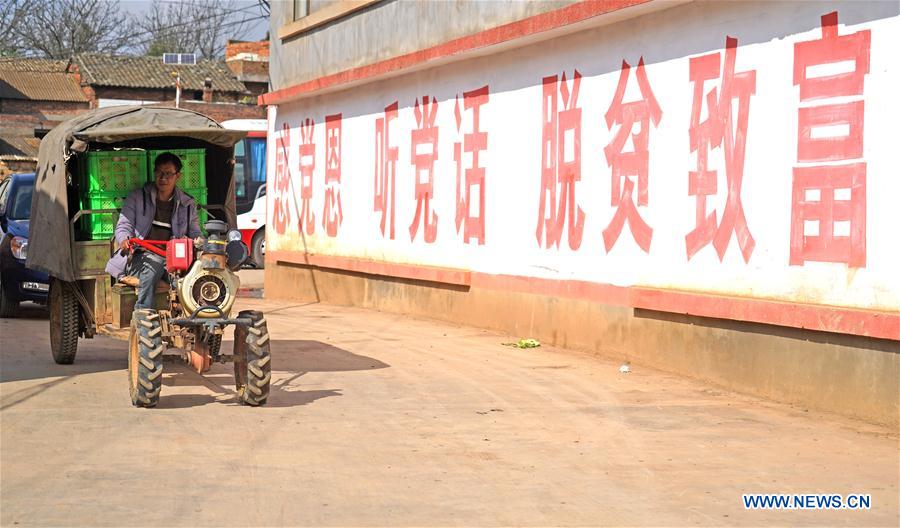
pixel 150 72
pixel 39 86
pixel 18 143
pixel 33 65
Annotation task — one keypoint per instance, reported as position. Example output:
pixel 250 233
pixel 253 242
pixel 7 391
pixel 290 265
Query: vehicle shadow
pixel 291 360
pixel 30 310
pixel 20 363
pixel 25 350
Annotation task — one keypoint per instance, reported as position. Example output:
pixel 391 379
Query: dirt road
pixel 380 420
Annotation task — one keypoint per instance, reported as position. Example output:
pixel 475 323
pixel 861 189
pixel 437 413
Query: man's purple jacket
pixel 137 218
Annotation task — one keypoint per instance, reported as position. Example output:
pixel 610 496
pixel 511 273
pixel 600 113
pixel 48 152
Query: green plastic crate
pixel 193 166
pixel 116 171
pixel 100 226
pixel 199 196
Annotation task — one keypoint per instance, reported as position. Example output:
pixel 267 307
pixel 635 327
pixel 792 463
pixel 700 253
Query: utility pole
pixel 177 88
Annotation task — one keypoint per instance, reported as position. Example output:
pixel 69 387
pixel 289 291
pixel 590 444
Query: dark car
pixel 17 283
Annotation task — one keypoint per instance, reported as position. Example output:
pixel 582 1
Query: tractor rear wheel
pixel 8 307
pixel 252 362
pixel 145 358
pixel 64 315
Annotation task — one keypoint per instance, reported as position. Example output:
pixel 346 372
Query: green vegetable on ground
pixel 524 343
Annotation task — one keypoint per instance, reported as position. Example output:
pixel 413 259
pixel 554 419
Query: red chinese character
pixel 307 166
pixel 830 148
pixel 832 48
pixel 281 213
pixel 560 163
pixel 473 142
pixel 630 164
pixel 385 168
pixel 423 154
pixel 721 124
pixel 818 204
pixel 828 215
pixel 333 215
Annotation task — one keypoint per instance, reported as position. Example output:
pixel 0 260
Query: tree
pixel 59 29
pixel 195 26
pixel 12 13
pixel 165 30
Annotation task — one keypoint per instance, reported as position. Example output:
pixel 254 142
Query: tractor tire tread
pixel 258 361
pixel 215 344
pixel 150 359
pixel 69 313
pixel 8 307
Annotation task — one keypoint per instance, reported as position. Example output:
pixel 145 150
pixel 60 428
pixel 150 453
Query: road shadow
pixel 27 356
pixel 291 360
pixel 34 367
pixel 30 310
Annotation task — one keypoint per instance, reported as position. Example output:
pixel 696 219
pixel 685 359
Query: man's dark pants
pixel 149 268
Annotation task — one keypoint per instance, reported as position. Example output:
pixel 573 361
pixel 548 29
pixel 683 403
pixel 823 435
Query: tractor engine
pixel 211 280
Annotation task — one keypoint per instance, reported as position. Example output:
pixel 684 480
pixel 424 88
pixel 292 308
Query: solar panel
pixel 179 58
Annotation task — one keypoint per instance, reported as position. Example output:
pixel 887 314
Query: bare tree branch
pixel 194 26
pixel 59 29
pixel 12 14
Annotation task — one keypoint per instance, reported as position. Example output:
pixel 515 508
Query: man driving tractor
pixel 159 227
pixel 157 211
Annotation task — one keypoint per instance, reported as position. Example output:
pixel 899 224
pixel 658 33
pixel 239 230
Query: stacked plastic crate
pixel 107 179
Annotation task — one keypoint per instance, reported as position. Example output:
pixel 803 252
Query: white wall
pixel 766 34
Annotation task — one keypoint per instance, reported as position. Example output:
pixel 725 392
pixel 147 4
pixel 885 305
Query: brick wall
pixel 19 166
pixel 222 112
pixel 141 94
pixel 87 90
pixel 162 95
pixel 254 74
pixel 35 113
pixel 31 111
pixel 245 68
pixel 260 48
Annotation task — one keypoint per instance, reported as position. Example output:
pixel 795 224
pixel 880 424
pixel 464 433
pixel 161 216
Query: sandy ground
pixel 382 420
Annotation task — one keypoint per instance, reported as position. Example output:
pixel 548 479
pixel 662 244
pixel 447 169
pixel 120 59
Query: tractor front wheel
pixel 215 344
pixel 145 358
pixel 252 361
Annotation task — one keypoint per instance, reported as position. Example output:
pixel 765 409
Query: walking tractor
pixel 201 291
pixel 86 168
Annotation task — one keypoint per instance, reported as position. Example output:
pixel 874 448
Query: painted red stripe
pixel 569 289
pixel 522 28
pixel 372 267
pixel 870 323
pixel 885 325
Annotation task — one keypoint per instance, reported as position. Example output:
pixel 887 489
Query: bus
pixel 250 185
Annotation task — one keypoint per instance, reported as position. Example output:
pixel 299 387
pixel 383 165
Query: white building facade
pixel 700 172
